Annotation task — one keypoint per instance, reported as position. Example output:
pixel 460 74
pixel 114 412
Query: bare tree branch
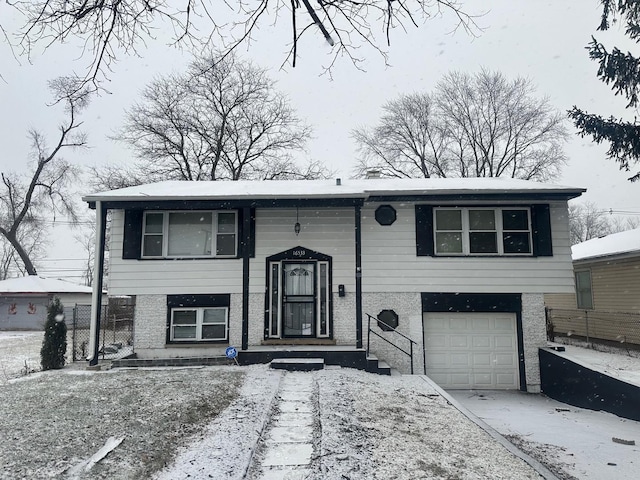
pixel 111 28
pixel 222 120
pixel 479 125
pixel 26 200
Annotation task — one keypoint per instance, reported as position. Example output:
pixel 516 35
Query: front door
pixel 298 303
pixel 298 299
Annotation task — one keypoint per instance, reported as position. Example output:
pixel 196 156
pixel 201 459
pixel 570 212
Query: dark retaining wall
pixel 577 385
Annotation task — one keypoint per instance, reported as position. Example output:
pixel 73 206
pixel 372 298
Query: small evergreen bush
pixel 54 345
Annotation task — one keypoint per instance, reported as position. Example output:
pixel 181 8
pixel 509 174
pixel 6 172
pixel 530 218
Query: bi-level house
pixel 459 266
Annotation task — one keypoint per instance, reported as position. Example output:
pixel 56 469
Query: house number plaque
pixel 299 253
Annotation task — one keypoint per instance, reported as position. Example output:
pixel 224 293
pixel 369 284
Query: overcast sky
pixel 543 41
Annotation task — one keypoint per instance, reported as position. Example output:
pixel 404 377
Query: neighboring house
pixel 461 264
pixel 605 304
pixel 24 300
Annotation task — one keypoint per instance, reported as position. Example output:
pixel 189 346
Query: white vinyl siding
pixel 389 260
pixel 330 231
pixel 390 264
pixel 168 276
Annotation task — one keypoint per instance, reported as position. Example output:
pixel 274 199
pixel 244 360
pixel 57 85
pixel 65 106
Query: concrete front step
pixel 374 365
pixel 298 364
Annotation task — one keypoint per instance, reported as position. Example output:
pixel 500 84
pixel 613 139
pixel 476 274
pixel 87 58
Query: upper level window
pixel 482 231
pixel 189 234
pixel 584 294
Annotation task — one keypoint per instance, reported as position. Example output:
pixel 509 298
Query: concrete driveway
pixel 570 441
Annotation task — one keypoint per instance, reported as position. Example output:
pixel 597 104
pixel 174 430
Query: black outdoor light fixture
pixel 296 227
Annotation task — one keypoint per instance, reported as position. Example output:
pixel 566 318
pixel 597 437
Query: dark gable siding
pixel 541 230
pixel 424 231
pixel 216 300
pixel 131 245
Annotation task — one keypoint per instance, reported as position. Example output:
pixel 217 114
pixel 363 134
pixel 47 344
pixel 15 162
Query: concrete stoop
pixel 297 364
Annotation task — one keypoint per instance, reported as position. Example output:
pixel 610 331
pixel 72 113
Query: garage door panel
pixel 481 360
pixel 459 341
pixel 504 360
pixel 506 380
pixel 483 380
pixel 460 379
pixel 480 324
pixel 438 359
pixel 504 323
pixel 481 341
pixel 504 342
pixel 472 350
pixel 436 341
pixel 459 360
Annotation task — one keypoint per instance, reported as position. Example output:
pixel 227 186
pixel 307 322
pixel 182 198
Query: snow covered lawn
pixel 52 421
pixel 19 352
pixel 213 422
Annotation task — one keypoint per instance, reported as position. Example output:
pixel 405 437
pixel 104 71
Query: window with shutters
pixel 482 231
pixel 180 234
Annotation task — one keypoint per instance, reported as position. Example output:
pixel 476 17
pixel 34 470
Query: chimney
pixel 338 182
pixel 373 174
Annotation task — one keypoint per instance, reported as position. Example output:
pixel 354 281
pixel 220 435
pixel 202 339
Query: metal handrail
pixel 391 329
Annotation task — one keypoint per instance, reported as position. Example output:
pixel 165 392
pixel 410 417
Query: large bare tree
pixel 221 120
pixel 32 240
pixel 28 201
pixel 110 28
pixel 481 125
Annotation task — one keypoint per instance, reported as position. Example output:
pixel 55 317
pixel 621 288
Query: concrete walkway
pixel 287 446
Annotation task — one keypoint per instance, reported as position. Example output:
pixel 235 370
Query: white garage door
pixel 472 350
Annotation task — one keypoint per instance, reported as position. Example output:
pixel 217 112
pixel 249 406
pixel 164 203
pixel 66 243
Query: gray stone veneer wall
pixel 408 307
pixel 150 324
pixel 534 332
pixel 256 318
pixel 344 319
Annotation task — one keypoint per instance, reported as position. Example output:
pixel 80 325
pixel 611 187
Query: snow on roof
pixel 347 188
pixel 616 243
pixel 35 284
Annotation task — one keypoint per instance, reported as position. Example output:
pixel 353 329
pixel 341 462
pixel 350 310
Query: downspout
pixel 246 252
pixel 358 232
pixel 96 297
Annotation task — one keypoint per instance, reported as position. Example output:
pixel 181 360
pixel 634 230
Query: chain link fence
pixel 116 331
pixel 594 326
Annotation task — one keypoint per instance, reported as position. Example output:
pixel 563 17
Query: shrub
pixel 54 345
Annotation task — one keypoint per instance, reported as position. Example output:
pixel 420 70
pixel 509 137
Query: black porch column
pixel 246 253
pixel 358 232
pixel 96 298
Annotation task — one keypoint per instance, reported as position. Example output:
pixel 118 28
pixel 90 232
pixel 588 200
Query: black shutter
pixel 424 231
pixel 131 244
pixel 541 231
